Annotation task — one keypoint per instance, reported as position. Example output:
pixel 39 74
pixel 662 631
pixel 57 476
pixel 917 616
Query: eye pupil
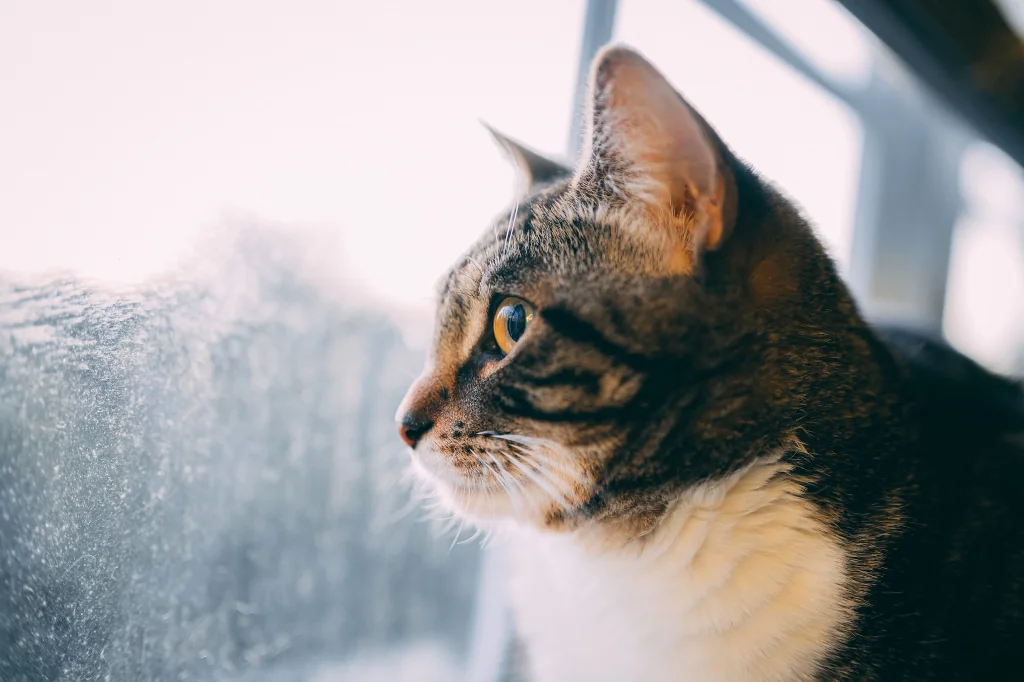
pixel 515 322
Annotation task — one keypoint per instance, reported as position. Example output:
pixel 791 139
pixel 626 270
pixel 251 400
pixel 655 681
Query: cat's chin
pixel 473 500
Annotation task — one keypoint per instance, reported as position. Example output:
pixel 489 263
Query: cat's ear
pixel 649 148
pixel 532 168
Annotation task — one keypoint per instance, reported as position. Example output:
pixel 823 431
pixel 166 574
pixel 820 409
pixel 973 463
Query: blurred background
pixel 220 226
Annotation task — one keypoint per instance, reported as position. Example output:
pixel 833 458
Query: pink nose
pixel 411 430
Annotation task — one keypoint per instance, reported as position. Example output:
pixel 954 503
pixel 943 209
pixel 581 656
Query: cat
pixel 648 379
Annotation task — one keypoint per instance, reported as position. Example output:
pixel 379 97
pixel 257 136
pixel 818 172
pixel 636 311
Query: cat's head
pixel 608 341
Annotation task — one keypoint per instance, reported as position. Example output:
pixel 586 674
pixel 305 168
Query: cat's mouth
pixel 502 476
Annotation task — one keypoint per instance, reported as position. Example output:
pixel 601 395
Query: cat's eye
pixel 511 318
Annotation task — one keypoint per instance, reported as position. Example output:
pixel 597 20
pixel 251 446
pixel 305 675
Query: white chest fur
pixel 740 582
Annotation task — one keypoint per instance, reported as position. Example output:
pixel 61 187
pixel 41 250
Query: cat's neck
pixel 748 490
pixel 741 575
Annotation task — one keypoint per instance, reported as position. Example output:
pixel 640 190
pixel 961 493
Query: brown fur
pixel 688 322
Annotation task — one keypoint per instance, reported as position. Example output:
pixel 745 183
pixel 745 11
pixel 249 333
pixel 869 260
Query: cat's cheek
pixel 433 465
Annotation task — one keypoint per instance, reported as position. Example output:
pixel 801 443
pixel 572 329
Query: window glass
pixel 138 127
pixel 825 34
pixel 984 313
pixel 798 136
pixel 221 224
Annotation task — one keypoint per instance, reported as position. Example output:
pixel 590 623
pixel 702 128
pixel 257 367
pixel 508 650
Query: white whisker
pixel 513 497
pixel 542 483
pixel 567 489
pixel 511 226
pixel 535 446
pixel 472 537
pixel 557 467
pixel 462 522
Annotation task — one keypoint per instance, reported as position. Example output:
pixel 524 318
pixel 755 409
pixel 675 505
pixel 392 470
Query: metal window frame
pixel 908 195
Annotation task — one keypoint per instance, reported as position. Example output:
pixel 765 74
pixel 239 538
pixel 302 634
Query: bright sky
pixel 130 128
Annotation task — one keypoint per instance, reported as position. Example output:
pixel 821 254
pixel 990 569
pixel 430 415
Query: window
pixel 985 299
pixel 221 224
pixel 221 227
pixel 797 135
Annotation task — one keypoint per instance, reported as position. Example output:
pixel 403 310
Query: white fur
pixel 740 582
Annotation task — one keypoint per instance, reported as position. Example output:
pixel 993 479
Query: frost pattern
pixel 200 480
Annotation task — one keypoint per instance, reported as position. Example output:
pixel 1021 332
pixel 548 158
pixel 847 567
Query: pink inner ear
pixel 649 130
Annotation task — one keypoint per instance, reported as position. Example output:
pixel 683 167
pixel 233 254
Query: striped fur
pixel 688 326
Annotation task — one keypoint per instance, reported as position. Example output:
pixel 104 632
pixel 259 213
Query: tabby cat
pixel 650 381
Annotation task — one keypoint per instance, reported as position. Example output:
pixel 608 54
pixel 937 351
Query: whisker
pixel 477 533
pixel 497 473
pixel 534 504
pixel 559 468
pixel 476 263
pixel 567 488
pixel 511 226
pixel 517 497
pixel 500 475
pixel 542 483
pixel 462 522
pixel 533 445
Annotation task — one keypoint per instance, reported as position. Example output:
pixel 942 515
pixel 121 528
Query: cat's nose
pixel 415 415
pixel 411 429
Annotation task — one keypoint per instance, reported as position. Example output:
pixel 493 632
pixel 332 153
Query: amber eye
pixel 511 319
